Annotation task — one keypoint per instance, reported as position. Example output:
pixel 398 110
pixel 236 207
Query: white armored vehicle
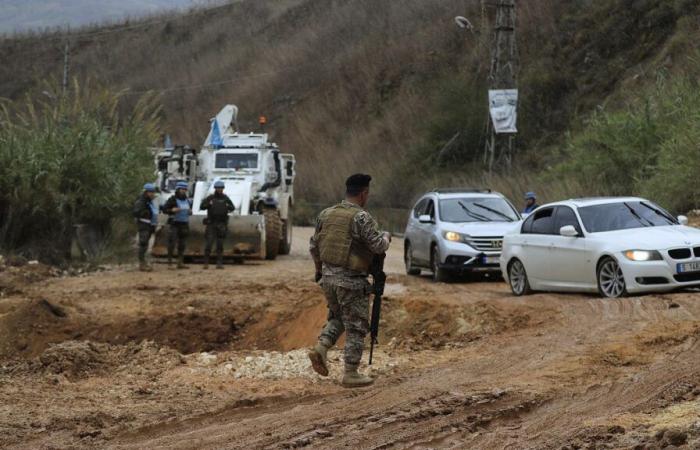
pixel 259 179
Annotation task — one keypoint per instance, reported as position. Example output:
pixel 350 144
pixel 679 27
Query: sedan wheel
pixel 517 276
pixel 408 261
pixel 611 282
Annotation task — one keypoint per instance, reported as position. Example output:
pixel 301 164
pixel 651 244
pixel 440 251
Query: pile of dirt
pixel 17 273
pixel 74 359
pixel 31 326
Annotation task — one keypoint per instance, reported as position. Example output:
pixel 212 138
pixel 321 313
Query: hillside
pixel 378 86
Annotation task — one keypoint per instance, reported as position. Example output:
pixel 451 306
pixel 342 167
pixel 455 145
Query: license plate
pixel 494 260
pixel 688 267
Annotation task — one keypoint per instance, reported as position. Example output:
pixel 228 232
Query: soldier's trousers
pixel 145 232
pixel 215 231
pixel 177 234
pixel 348 311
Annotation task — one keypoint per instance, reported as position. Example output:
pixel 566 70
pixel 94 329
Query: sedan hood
pixel 652 238
pixel 486 229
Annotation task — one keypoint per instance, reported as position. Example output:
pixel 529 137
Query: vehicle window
pixel 419 208
pixel 527 225
pixel 565 216
pixel 624 216
pixel 430 209
pixel 477 209
pixel 236 161
pixel 543 223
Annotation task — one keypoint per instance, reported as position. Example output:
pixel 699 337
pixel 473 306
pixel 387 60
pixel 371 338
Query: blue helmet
pixel 181 185
pixel 219 184
pixel 530 195
pixel 149 187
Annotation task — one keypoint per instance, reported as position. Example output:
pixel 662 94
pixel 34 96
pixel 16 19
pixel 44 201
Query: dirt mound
pixel 29 328
pixel 15 276
pixel 74 359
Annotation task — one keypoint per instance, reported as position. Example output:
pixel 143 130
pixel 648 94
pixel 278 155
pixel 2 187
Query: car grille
pixel 487 244
pixel 679 253
pixel 696 252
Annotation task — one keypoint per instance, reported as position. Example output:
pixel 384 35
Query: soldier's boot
pixel 170 262
pixel 145 267
pixel 206 262
pixel 319 359
pixel 181 262
pixel 353 378
pixel 220 262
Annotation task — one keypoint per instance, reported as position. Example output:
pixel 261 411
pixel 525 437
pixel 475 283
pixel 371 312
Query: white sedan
pixel 613 246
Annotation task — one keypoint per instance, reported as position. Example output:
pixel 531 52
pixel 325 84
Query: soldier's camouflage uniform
pixel 346 290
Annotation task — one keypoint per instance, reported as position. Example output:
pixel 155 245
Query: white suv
pixel 458 231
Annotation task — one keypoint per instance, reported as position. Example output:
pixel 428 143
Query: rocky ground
pixel 215 359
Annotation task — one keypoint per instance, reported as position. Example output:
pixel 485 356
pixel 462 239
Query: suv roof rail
pixel 460 190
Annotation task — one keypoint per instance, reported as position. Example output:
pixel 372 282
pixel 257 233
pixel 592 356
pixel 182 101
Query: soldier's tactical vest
pixel 218 210
pixel 335 239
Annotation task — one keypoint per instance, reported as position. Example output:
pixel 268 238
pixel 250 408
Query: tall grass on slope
pixel 69 160
pixel 650 148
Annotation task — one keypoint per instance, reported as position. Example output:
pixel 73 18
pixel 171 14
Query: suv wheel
pixel 408 260
pixel 439 274
pixel 517 277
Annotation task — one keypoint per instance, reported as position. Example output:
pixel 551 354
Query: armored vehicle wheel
pixel 273 232
pixel 286 241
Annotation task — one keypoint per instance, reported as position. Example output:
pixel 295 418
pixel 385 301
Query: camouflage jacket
pixel 364 229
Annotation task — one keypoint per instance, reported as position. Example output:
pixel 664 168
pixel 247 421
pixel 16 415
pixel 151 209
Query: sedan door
pixel 570 260
pixel 537 243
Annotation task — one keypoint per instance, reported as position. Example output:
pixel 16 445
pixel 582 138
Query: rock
pixel 673 305
pixel 676 437
pixel 616 429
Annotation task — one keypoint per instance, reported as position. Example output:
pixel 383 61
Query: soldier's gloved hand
pixel 317 277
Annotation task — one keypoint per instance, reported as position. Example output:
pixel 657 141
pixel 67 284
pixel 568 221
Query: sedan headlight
pixel 456 237
pixel 643 255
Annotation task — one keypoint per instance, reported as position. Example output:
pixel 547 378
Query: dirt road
pixel 215 359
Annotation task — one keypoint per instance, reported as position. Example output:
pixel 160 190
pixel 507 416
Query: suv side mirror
pixel 683 220
pixel 568 231
pixel 425 218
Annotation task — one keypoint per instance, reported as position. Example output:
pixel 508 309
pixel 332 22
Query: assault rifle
pixel 379 277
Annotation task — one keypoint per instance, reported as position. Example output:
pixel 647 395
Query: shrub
pixel 68 160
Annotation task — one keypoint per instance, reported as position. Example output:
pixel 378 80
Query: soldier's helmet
pixel 149 187
pixel 181 185
pixel 219 184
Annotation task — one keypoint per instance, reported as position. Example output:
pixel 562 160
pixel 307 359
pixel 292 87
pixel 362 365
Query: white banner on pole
pixel 503 104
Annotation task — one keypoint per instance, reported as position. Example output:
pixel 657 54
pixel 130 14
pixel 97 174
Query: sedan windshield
pixel 486 209
pixel 624 216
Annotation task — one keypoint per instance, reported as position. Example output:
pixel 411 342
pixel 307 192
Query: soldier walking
pixel 146 214
pixel 179 208
pixel 218 207
pixel 342 247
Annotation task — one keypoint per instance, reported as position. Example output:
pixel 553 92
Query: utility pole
pixel 66 68
pixel 503 75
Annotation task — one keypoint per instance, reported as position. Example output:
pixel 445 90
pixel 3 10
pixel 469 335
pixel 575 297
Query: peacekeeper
pixel 342 247
pixel 146 214
pixel 179 208
pixel 218 206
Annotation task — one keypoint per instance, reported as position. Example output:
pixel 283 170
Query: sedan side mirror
pixel 568 231
pixel 683 220
pixel 425 218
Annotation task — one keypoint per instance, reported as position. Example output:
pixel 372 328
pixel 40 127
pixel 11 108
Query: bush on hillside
pixel 651 148
pixel 68 160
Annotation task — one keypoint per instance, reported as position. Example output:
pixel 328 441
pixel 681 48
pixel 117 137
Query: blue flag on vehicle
pixel 216 140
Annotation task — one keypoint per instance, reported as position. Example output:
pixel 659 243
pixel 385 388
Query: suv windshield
pixel 624 216
pixel 487 209
pixel 236 161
